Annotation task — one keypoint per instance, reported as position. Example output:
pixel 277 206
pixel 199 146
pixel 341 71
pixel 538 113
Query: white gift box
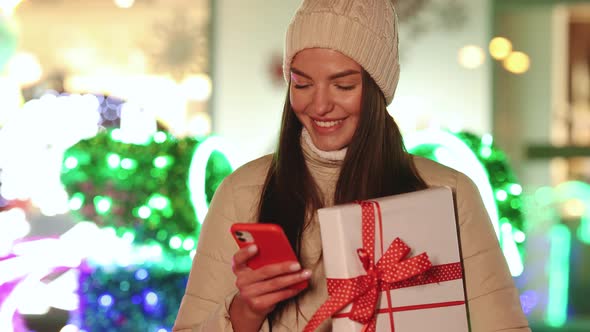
pixel 425 221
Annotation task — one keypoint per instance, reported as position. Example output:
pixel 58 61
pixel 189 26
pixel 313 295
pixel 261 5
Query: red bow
pixel 363 291
pixel 390 268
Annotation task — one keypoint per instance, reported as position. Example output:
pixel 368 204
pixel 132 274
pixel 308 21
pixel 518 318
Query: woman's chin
pixel 330 146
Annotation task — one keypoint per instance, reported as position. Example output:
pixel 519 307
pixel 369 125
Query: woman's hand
pixel 260 290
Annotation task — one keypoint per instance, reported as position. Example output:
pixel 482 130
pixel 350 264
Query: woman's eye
pixel 346 87
pixel 300 86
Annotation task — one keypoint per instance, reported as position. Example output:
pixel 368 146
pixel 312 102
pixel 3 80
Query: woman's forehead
pixel 319 61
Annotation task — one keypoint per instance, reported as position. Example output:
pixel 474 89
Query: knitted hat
pixel 363 30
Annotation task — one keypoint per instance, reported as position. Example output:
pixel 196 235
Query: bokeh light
pixel 24 68
pixel 200 124
pixel 471 56
pixel 124 3
pixel 500 48
pixel 197 87
pixel 517 63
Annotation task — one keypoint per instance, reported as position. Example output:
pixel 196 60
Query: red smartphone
pixel 273 245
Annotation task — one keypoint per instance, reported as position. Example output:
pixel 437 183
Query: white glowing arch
pixel 197 172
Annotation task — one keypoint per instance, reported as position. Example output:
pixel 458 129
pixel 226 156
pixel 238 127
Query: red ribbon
pixel 390 272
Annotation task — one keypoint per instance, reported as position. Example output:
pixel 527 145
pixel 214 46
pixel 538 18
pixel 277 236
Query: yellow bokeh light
pixel 24 68
pixel 500 48
pixel 200 124
pixel 517 62
pixel 471 56
pixel 574 208
pixel 7 7
pixel 124 3
pixel 197 87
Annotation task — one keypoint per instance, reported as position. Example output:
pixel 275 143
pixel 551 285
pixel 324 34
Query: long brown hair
pixel 290 192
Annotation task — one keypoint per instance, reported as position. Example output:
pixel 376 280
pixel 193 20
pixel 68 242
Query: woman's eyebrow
pixel 300 73
pixel 331 77
pixel 344 73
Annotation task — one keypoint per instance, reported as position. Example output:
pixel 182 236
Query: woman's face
pixel 326 89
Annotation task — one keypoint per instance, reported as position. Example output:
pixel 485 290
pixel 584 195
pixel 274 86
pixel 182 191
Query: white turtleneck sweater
pixel 337 155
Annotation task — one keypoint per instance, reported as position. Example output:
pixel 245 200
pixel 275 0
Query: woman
pixel 337 144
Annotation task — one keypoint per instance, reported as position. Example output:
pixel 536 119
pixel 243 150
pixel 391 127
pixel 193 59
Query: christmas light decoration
pixel 44 129
pixel 142 192
pixel 550 206
pixel 134 298
pixel 559 258
pixel 488 167
pixel 138 198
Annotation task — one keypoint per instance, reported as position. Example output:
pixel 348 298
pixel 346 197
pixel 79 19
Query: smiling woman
pixel 337 145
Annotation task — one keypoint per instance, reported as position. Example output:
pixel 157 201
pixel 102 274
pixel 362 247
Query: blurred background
pixel 119 119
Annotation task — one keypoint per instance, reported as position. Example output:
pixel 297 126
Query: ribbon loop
pixel 407 269
pixel 364 258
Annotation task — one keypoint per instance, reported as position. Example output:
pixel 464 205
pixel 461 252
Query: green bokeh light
pixel 113 160
pixel 141 189
pixel 175 242
pixel 102 204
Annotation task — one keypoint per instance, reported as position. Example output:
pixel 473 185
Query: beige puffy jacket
pixel 492 297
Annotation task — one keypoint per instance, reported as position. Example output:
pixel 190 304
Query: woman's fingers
pixel 266 272
pixel 267 302
pixel 262 296
pixel 242 256
pixel 263 288
pixel 275 284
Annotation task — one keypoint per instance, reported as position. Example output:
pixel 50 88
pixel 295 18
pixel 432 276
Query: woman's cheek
pixel 297 103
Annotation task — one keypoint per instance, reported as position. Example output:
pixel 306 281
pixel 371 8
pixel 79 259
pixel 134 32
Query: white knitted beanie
pixel 363 30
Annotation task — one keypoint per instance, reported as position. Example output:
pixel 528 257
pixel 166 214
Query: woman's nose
pixel 322 101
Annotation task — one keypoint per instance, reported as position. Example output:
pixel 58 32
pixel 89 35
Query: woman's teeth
pixel 327 124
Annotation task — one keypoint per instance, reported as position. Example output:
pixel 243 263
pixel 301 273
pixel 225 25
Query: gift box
pixel 393 264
